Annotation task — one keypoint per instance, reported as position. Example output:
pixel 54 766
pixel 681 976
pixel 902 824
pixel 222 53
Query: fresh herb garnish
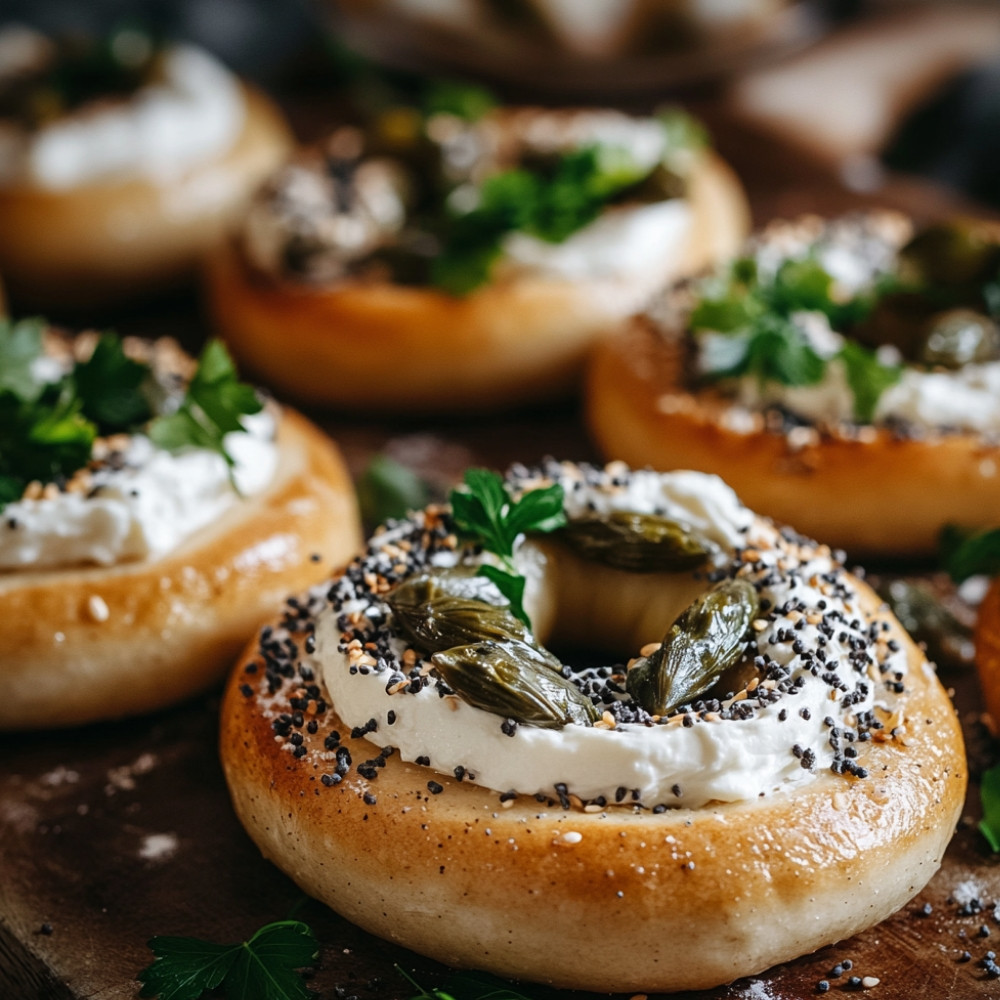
pixel 467 101
pixel 550 202
pixel 765 340
pixel 868 378
pixel 485 512
pixel 261 968
pixel 989 793
pixel 212 407
pixel 48 429
pixel 109 385
pixel 389 489
pixel 20 346
pixel 465 986
pixel 965 553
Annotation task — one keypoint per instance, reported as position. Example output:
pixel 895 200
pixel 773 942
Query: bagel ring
pixel 87 642
pixel 717 875
pixel 520 337
pixel 869 487
pixel 127 234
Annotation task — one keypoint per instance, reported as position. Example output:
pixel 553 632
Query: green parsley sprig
pixel 212 406
pixel 264 967
pixel 465 986
pixel 48 428
pixel 485 512
pixel 551 202
pixel 389 489
pixel 970 553
pixel 989 793
pixel 756 314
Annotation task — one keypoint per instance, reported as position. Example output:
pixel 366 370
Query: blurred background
pixel 910 85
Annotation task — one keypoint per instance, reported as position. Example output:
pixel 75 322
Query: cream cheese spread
pixel 141 510
pixel 194 114
pixel 827 664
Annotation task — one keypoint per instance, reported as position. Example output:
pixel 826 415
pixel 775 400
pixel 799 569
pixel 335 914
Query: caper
pixel 440 609
pixel 706 640
pixel 960 337
pixel 640 543
pixel 511 679
pixel 959 253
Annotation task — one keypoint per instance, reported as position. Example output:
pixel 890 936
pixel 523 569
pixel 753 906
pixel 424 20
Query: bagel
pixel 520 336
pixel 82 235
pixel 883 484
pixel 91 634
pixel 675 851
pixel 987 641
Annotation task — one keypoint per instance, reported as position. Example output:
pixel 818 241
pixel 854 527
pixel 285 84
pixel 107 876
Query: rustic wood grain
pixel 114 833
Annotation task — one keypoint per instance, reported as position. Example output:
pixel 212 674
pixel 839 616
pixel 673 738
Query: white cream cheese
pixel 636 244
pixel 141 511
pixel 193 115
pixel 724 760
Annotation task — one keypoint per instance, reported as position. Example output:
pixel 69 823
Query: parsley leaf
pixel 756 314
pixel 867 377
pixel 989 792
pixel 467 101
pixel 466 986
pixel 41 440
pixel 551 202
pixel 262 968
pixel 773 349
pixel 211 408
pixel 20 345
pixel 485 512
pixel 389 489
pixel 109 385
pixel 966 554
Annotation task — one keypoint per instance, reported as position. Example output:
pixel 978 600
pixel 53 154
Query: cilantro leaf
pixel 212 407
pixel 989 792
pixel 966 554
pixel 262 968
pixel 867 377
pixel 109 387
pixel 20 346
pixel 389 489
pixel 485 512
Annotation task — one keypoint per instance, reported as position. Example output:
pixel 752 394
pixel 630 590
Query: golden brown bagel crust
pixel 871 493
pixel 988 649
pixel 116 239
pixel 174 625
pixel 505 344
pixel 687 899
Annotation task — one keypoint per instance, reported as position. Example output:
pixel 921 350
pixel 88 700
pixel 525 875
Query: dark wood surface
pixel 114 833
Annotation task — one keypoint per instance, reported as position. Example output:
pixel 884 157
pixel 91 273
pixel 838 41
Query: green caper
pixel 706 640
pixel 959 253
pixel 640 543
pixel 511 679
pixel 960 337
pixel 440 609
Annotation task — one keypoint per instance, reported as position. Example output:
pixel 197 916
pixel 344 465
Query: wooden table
pixel 114 833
